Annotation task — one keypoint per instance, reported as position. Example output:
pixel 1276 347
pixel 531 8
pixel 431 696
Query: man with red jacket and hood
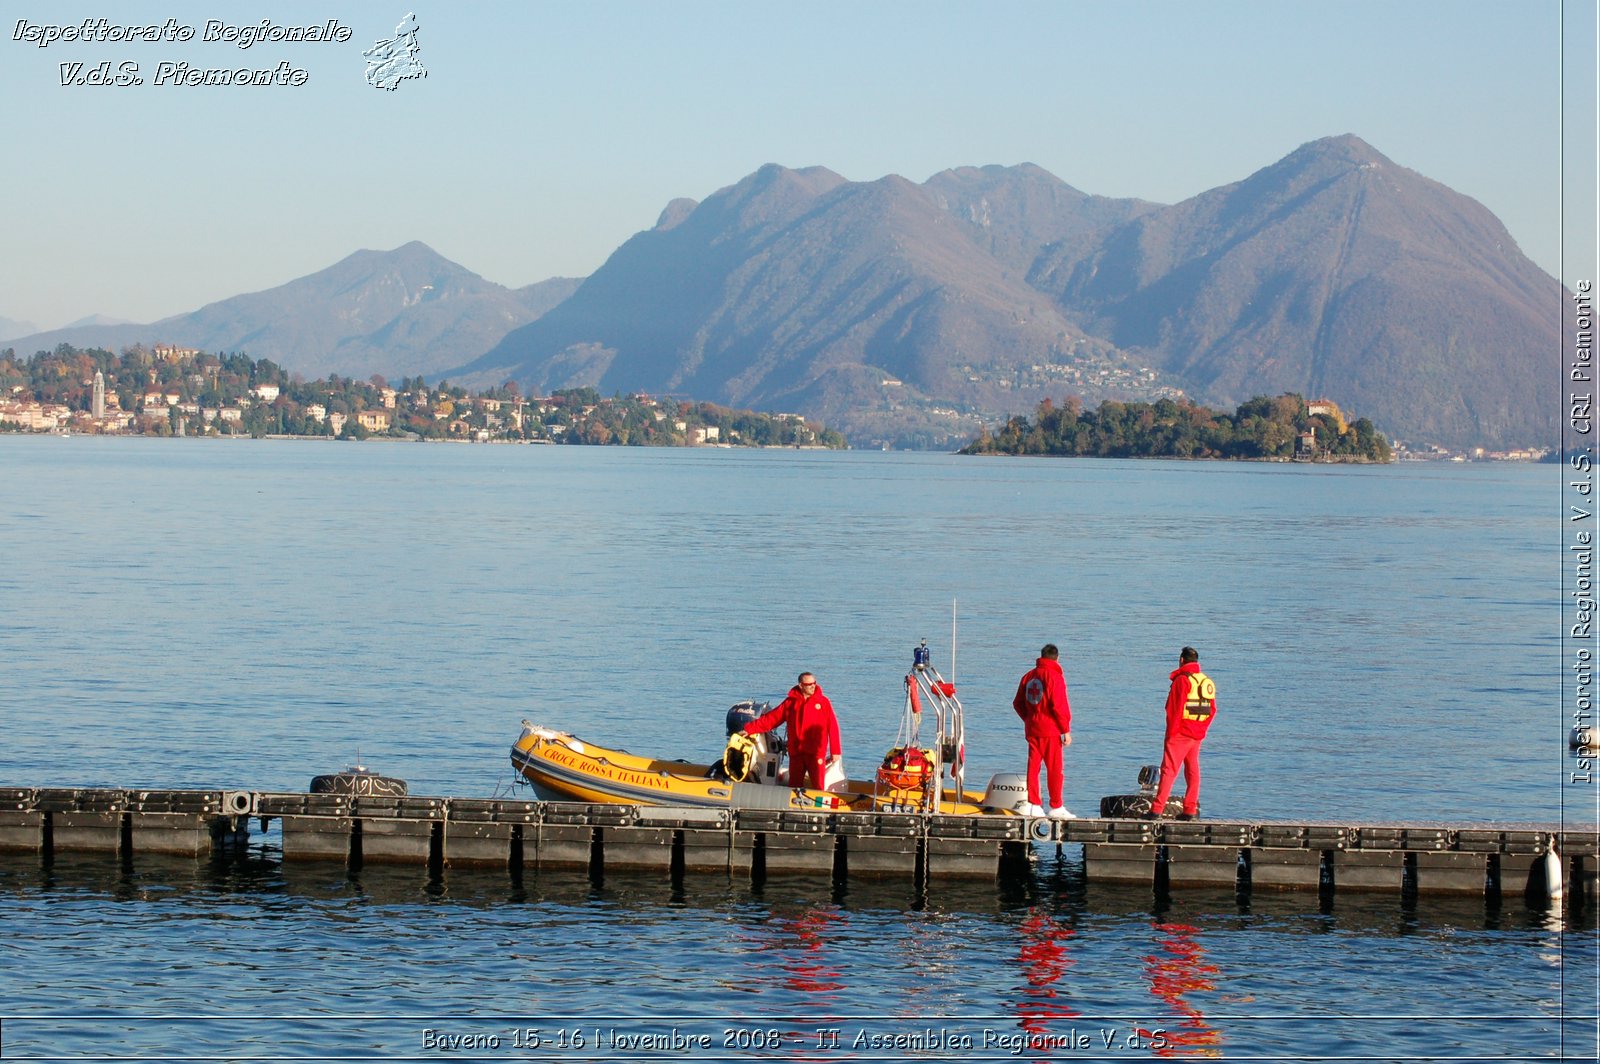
pixel 1041 702
pixel 813 731
pixel 1191 707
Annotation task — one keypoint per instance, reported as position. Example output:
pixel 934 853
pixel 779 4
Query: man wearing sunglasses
pixel 812 729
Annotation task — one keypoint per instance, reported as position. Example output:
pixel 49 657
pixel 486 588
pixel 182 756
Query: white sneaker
pixel 1032 810
pixel 1060 813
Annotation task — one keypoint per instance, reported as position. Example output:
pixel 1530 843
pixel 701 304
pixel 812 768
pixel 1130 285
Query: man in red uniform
pixel 1041 702
pixel 1191 707
pixel 813 731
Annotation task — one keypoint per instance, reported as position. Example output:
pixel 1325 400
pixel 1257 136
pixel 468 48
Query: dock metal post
pixel 78 831
pixel 317 838
pixel 316 827
pixel 187 823
pixel 1518 860
pixel 479 844
pixel 638 847
pixel 792 842
pixel 1581 853
pixel 566 835
pixel 1204 854
pixel 1451 873
pixel 396 830
pixel 1119 863
pixel 1376 871
pixel 968 847
pixel 1291 857
pixel 21 822
pixel 698 837
pixel 1114 851
pixel 485 833
pixel 878 845
pixel 745 851
pixel 800 853
pixel 82 820
pixel 21 832
pixel 178 834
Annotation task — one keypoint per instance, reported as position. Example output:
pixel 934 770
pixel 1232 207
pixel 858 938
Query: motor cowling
pixel 1007 792
pixel 742 713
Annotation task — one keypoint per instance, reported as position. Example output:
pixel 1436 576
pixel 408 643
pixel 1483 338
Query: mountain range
pixel 892 309
pixel 10 328
pixel 1336 273
pixel 404 312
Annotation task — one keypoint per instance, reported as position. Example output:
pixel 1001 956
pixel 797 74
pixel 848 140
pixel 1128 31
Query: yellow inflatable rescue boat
pixel 750 775
pixel 564 768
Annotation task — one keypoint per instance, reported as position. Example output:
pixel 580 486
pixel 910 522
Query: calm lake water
pixel 247 614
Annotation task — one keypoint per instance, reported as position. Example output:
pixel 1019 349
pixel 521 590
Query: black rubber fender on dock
pixel 359 783
pixel 1122 806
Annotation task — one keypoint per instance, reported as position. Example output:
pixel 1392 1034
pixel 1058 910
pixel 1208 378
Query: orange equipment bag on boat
pixel 905 768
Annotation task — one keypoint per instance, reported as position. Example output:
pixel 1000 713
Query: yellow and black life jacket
pixel 1202 700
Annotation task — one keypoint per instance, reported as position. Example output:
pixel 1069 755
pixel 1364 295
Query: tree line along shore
pixel 1263 429
pixel 167 391
pixel 172 391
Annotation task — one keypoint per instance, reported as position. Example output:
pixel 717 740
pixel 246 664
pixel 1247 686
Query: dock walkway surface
pixel 1536 860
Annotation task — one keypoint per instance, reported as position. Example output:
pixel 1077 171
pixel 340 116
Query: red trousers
pixel 1046 750
pixel 812 763
pixel 1180 750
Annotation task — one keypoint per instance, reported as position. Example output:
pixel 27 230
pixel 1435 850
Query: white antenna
pixel 952 640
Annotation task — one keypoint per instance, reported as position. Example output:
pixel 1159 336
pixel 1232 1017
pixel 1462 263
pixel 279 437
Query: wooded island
pixel 1287 427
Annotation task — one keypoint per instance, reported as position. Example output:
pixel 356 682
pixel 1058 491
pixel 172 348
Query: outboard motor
pixel 750 758
pixel 1115 806
pixel 742 713
pixel 1008 792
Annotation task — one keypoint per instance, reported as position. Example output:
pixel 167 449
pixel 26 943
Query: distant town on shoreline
pixel 173 391
pixel 166 390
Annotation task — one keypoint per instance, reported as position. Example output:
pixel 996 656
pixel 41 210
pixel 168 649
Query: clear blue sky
pixel 547 133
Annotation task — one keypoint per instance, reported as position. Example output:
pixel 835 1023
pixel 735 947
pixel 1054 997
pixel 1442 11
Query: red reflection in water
pixel 790 950
pixel 1180 969
pixel 801 942
pixel 798 943
pixel 1044 960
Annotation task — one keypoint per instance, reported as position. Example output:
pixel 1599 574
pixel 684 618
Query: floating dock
pixel 1538 861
